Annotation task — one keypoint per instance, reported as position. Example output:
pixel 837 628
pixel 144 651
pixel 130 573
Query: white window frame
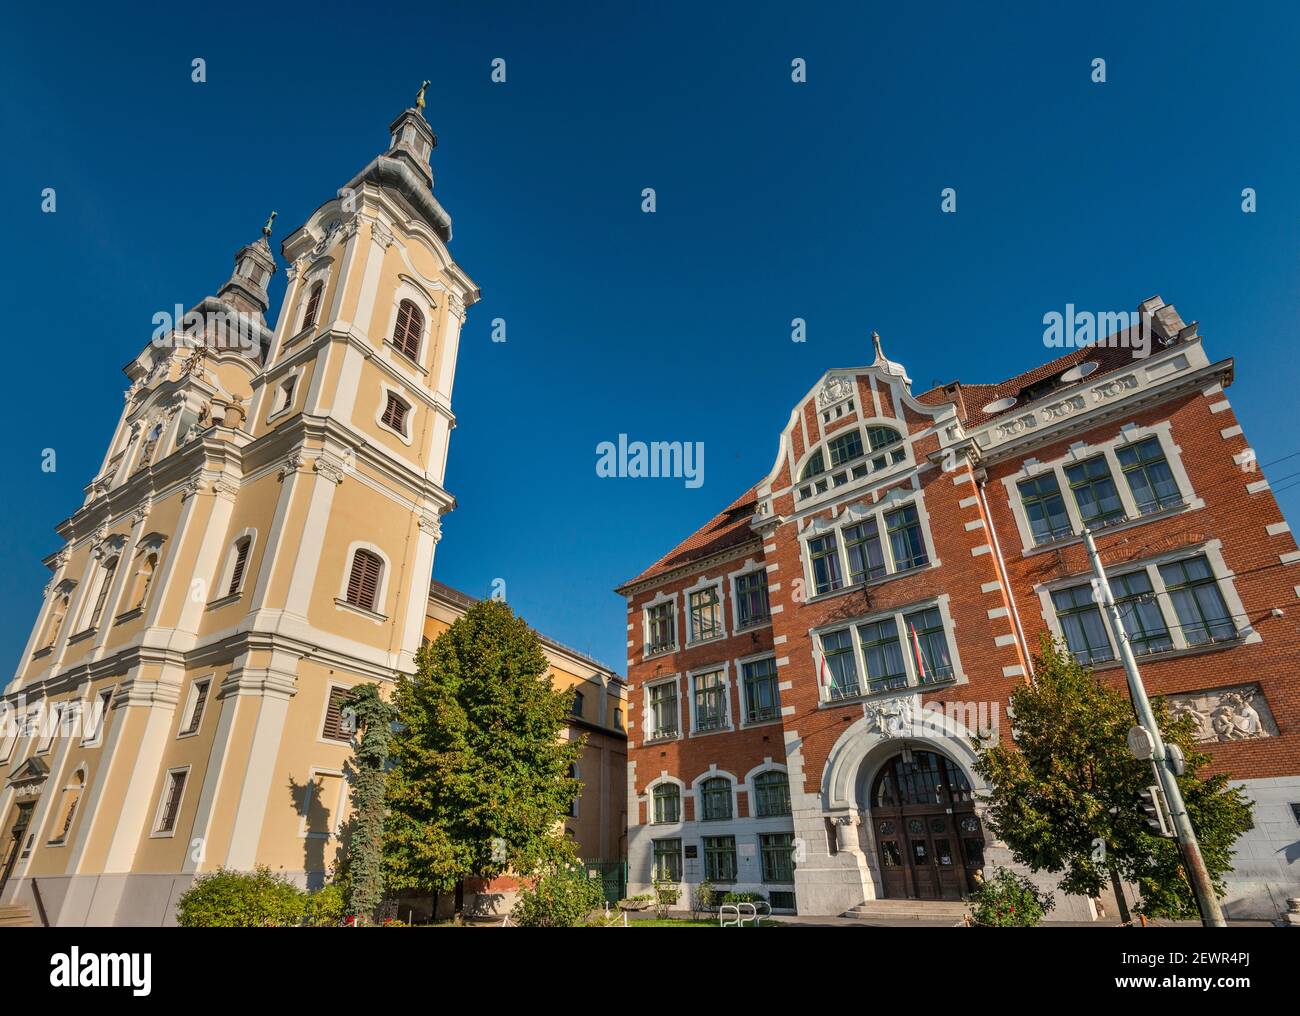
pixel 697 794
pixel 659 599
pixel 1212 551
pixel 740 662
pixel 192 700
pixel 750 567
pixel 700 586
pixel 872 476
pixel 96 737
pixel 663 779
pixel 751 793
pixel 381 592
pixel 385 389
pixel 228 569
pixel 942 602
pixel 861 512
pixel 648 724
pixel 158 834
pixel 330 689
pixel 1128 434
pixel 292 376
pixel 426 305
pixel 723 668
pixel 51 732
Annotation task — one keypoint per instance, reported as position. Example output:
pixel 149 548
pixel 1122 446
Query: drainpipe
pixel 1002 576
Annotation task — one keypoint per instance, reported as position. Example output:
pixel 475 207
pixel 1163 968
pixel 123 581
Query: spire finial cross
pixel 266 230
pixel 419 98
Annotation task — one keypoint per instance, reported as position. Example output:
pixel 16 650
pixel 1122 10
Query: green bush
pixel 238 899
pixel 1008 900
pixel 325 907
pixel 703 898
pixel 666 895
pixel 562 897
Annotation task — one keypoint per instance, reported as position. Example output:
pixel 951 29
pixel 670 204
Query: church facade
pixel 259 538
pixel 806 670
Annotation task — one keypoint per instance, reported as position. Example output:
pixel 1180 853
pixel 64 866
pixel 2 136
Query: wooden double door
pixel 12 844
pixel 929 842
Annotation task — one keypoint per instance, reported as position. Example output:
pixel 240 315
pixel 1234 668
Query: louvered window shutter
pixel 410 326
pixel 241 559
pixel 363 583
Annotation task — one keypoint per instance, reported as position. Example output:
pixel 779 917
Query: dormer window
pixel 395 414
pixel 408 330
pixel 313 305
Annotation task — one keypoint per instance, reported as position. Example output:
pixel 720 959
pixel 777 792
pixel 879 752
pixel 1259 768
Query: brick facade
pixel 960 567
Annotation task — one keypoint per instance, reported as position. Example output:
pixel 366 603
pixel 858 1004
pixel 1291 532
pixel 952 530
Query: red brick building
pixel 806 669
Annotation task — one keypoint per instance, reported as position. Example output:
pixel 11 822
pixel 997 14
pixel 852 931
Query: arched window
pixel 920 777
pixel 771 794
pixel 667 804
pixel 363 581
pixel 313 305
pixel 101 597
pixel 878 437
pixel 715 796
pixel 242 547
pixel 144 573
pixel 395 414
pixel 814 466
pixel 409 329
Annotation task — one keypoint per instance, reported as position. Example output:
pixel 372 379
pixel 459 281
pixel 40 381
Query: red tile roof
pixel 729 528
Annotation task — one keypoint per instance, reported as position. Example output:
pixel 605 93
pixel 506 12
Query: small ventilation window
pixel 395 414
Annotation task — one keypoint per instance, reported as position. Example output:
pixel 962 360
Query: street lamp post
pixel 1162 757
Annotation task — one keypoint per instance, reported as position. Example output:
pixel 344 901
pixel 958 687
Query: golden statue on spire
pixel 419 98
pixel 266 230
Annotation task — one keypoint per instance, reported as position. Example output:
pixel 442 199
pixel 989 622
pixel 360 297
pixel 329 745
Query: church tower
pixel 259 538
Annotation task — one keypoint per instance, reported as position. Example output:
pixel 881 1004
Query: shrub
pixel 325 907
pixel 560 898
pixel 1008 900
pixel 239 899
pixel 666 896
pixel 703 898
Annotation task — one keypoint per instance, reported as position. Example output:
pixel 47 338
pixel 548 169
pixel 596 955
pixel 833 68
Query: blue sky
pixel 775 200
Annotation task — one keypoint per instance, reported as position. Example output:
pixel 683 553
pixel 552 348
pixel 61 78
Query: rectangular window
pixel 751 599
pixel 1149 476
pixel 837 649
pixel 762 700
pixel 171 802
pixel 667 803
pixel 241 561
pixel 668 860
pixel 1202 612
pixel 925 628
pixel 777 850
pixel 771 794
pixel 660 631
pixel 720 858
pixel 824 553
pixel 1094 492
pixel 200 699
pixel 1144 623
pixel 705 613
pixel 710 701
pixel 338 727
pixel 663 709
pixel 866 555
pixel 1045 508
pixel 883 655
pixel 905 539
pixel 715 798
pixel 1080 619
pixel 54 721
pixel 845 447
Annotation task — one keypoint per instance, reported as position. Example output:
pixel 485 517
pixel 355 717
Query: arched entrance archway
pixel 929 841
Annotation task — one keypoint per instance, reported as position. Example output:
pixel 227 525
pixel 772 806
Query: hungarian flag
pixel 825 679
pixel 920 660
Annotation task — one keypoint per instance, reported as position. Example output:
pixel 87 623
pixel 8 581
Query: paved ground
pixel 850 922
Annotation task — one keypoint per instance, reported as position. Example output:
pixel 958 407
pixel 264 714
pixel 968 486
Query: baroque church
pixel 259 538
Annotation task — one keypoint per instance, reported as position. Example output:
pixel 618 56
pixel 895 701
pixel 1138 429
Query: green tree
pixel 479 783
pixel 240 899
pixel 1064 792
pixel 364 864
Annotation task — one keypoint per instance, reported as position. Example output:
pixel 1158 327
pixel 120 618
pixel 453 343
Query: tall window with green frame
pixel 667 804
pixel 762 700
pixel 905 538
pixel 720 858
pixel 925 628
pixel 1202 613
pixel 668 860
pixel 705 610
pixel 837 651
pixel 1045 508
pixel 1144 622
pixel 866 556
pixel 771 794
pixel 710 701
pixel 715 798
pixel 1080 619
pixel 824 553
pixel 660 628
pixel 751 599
pixel 1149 476
pixel 1094 492
pixel 663 709
pixel 883 655
pixel 777 851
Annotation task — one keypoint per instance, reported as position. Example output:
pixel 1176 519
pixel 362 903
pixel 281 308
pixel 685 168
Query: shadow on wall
pixel 322 852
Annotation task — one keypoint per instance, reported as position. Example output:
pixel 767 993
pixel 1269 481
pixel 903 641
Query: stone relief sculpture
pixel 1235 713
